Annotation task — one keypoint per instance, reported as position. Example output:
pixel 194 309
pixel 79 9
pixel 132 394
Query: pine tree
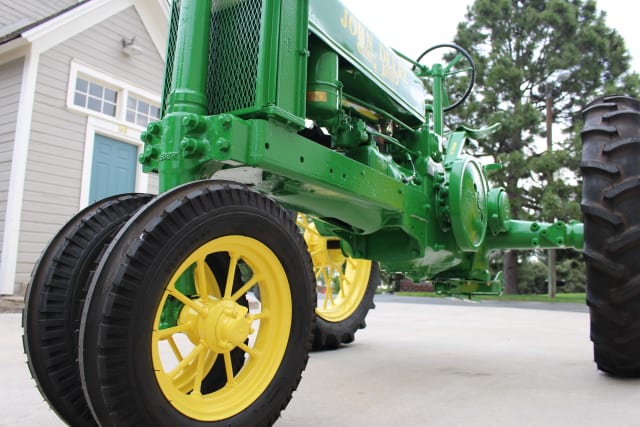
pixel 517 45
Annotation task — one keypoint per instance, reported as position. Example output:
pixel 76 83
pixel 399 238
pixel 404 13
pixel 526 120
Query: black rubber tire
pixel 329 335
pixel 611 206
pixel 55 297
pixel 125 293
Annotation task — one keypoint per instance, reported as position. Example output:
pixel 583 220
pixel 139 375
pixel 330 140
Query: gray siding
pixel 143 71
pixel 54 169
pixel 30 11
pixel 10 83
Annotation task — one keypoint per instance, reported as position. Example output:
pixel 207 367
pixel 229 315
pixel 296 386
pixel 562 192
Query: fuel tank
pixel 368 69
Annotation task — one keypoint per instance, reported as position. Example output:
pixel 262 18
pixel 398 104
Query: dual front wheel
pixel 199 310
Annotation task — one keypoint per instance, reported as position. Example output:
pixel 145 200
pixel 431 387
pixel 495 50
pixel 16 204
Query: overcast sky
pixel 411 26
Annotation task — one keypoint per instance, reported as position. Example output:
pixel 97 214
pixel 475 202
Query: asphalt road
pixel 421 364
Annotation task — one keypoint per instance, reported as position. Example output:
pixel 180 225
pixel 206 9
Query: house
pixel 79 81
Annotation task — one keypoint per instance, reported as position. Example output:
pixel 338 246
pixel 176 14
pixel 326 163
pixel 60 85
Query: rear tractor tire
pixel 611 206
pixel 200 312
pixel 346 288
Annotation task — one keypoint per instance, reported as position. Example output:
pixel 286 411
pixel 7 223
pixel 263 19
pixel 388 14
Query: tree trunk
pixel 510 272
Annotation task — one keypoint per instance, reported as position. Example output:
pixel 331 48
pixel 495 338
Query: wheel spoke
pixel 453 63
pixel 309 228
pixel 328 293
pixel 245 288
pixel 301 219
pixel 163 334
pixel 228 367
pixel 345 279
pixel 343 282
pixel 200 276
pixel 316 252
pixel 185 362
pixel 463 70
pixel 259 316
pixel 231 275
pixel 187 301
pixel 199 374
pixel 251 352
pixel 175 349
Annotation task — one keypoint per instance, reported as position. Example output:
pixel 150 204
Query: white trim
pixel 113 127
pixel 78 67
pixel 155 17
pixel 90 13
pixel 13 49
pixel 9 259
pixel 75 21
pixel 122 87
pixel 153 13
pixel 117 131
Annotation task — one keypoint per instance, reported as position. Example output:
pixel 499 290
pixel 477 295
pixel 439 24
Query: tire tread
pixel 611 201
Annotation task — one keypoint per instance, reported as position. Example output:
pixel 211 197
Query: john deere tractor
pixel 297 155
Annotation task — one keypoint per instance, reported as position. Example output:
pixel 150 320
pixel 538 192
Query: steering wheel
pixel 452 68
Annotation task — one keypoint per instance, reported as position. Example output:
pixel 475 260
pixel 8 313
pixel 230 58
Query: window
pixel 141 112
pixel 95 93
pixel 95 97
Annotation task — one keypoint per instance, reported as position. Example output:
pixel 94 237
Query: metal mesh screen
pixel 233 54
pixel 171 49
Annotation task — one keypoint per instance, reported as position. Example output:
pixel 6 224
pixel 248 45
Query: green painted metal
pixel 324 90
pixel 190 62
pixel 468 191
pixel 376 64
pixel 373 164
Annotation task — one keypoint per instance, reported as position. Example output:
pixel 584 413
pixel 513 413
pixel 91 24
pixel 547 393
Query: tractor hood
pixel 335 25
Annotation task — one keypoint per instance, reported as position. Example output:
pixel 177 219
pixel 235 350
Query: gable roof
pixel 18 17
pixel 29 20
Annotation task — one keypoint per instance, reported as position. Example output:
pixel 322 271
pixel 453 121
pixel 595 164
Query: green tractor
pixel 297 155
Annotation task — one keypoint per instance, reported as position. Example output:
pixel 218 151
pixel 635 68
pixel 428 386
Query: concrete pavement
pixel 420 364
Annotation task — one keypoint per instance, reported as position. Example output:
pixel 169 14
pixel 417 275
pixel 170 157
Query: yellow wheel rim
pixel 212 324
pixel 342 281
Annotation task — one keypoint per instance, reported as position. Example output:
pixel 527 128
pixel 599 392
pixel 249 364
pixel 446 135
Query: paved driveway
pixel 421 364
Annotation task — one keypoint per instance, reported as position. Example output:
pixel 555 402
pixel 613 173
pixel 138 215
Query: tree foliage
pixel 517 46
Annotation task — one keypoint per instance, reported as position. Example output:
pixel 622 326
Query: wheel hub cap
pixel 222 326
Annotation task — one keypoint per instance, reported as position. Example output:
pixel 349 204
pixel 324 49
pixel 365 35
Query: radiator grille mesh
pixel 171 50
pixel 233 55
pixel 234 49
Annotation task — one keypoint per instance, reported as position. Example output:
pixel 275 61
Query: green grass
pixel 577 298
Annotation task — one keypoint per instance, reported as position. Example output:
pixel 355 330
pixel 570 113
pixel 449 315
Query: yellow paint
pixel 353 275
pixel 212 324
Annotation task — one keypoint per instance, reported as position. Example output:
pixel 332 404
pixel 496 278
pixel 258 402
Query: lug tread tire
pixel 117 377
pixel 55 297
pixel 610 205
pixel 330 335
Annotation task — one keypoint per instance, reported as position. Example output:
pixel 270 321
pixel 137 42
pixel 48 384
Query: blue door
pixel 113 170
